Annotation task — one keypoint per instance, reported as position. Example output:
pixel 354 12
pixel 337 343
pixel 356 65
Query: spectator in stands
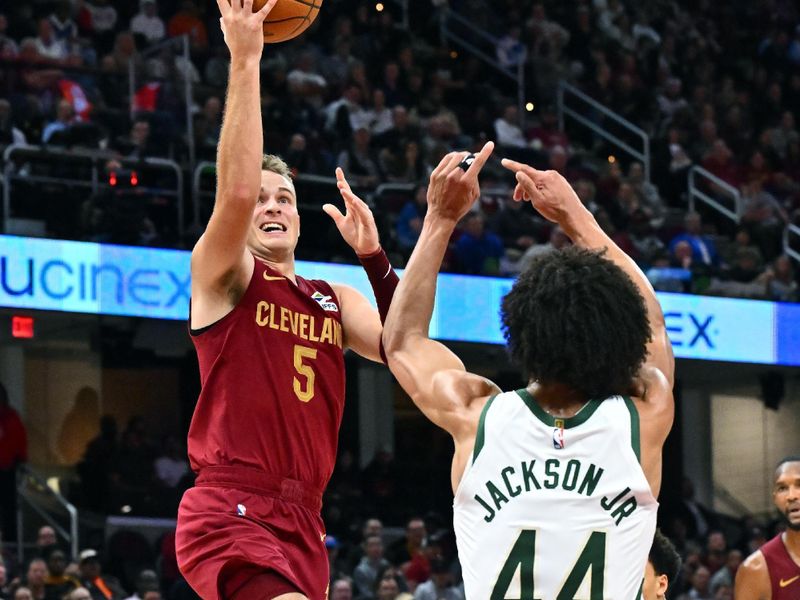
pixel 366 573
pixel 4 587
pixel 65 116
pixel 379 116
pixel 57 584
pixel 8 46
pixel 124 51
pixel 101 587
pixel 306 82
pixel 439 586
pixel 742 279
pixel 517 226
pixel 547 135
pixel 9 133
pixel 478 251
pixel 507 130
pixel 510 50
pixel 719 161
pixel 45 540
pixel 48 45
pixel 24 593
pixel 35 579
pixel 699 588
pixel 647 194
pixel 407 167
pixel 79 593
pixel 647 245
pixel 13 452
pixel 146 582
pixel 358 160
pixel 342 589
pixel 703 248
pixel 171 467
pixel 138 144
pixel 98 19
pixel 345 115
pixel 187 21
pixel 558 240
pixel 147 23
pixel 781 281
pixel 403 549
pixel 726 575
pixel 765 216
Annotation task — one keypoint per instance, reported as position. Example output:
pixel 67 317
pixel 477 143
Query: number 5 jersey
pixel 555 509
pixel 272 376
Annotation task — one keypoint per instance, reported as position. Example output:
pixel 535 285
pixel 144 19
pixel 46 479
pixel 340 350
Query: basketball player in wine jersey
pixel 270 348
pixel 773 571
pixel 555 484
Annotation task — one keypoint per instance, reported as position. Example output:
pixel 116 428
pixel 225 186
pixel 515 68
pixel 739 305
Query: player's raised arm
pixel 429 372
pixel 363 325
pixel 555 199
pixel 219 258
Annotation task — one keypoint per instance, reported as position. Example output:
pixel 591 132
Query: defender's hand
pixel 357 225
pixel 453 190
pixel 242 28
pixel 548 191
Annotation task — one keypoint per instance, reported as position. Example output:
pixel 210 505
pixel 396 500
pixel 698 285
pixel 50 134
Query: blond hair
pixel 275 164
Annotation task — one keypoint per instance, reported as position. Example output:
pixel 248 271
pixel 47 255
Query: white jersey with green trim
pixel 554 509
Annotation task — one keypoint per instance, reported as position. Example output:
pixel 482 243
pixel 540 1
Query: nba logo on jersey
pixel 558 438
pixel 325 302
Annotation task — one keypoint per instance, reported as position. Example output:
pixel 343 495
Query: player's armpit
pixel 438 383
pixel 752 579
pixel 360 322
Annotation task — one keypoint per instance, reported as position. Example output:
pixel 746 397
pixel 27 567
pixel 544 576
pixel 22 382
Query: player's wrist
pixel 245 61
pixel 577 223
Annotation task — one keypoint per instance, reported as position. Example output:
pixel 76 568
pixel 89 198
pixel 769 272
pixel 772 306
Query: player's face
pixel 786 493
pixel 655 586
pixel 276 222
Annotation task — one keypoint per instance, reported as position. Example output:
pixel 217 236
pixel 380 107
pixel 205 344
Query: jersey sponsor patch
pixel 325 302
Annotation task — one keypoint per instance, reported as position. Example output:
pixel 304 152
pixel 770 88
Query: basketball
pixel 288 18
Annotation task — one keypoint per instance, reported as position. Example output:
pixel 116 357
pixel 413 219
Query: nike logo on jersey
pixel 785 582
pixel 271 278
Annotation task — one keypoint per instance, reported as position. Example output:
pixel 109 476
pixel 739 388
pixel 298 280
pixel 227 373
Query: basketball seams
pixel 305 20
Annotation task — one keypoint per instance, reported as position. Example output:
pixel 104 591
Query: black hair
pixel 665 558
pixel 787 459
pixel 574 317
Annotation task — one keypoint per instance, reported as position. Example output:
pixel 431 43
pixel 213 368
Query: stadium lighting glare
pixel 612 159
pixel 530 106
pixel 379 7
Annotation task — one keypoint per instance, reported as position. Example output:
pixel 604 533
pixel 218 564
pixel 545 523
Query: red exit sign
pixel 21 327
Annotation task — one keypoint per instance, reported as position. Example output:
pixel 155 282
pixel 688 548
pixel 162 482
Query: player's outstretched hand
pixel 454 185
pixel 357 225
pixel 548 191
pixel 242 28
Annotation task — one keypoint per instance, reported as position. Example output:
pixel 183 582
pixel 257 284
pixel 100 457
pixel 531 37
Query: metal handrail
pixel 642 156
pixel 696 193
pixel 24 474
pixel 94 184
pixel 183 41
pixel 787 248
pixel 517 74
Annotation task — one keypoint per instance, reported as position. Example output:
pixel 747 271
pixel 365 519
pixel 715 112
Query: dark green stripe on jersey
pixel 635 441
pixel 586 411
pixel 481 435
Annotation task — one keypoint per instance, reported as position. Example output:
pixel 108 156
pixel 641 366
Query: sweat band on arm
pixel 383 280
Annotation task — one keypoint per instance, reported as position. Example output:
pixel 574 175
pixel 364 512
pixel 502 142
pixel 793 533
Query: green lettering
pixel 496 494
pixel 591 480
pixel 528 477
pixel 571 475
pixel 515 491
pixel 550 470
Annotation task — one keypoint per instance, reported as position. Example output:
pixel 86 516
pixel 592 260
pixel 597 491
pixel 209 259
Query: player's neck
pixel 791 539
pixel 557 399
pixel 283 264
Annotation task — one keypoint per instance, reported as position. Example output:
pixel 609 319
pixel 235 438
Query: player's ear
pixel 662 583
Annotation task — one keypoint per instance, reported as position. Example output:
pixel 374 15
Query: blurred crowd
pixel 713 84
